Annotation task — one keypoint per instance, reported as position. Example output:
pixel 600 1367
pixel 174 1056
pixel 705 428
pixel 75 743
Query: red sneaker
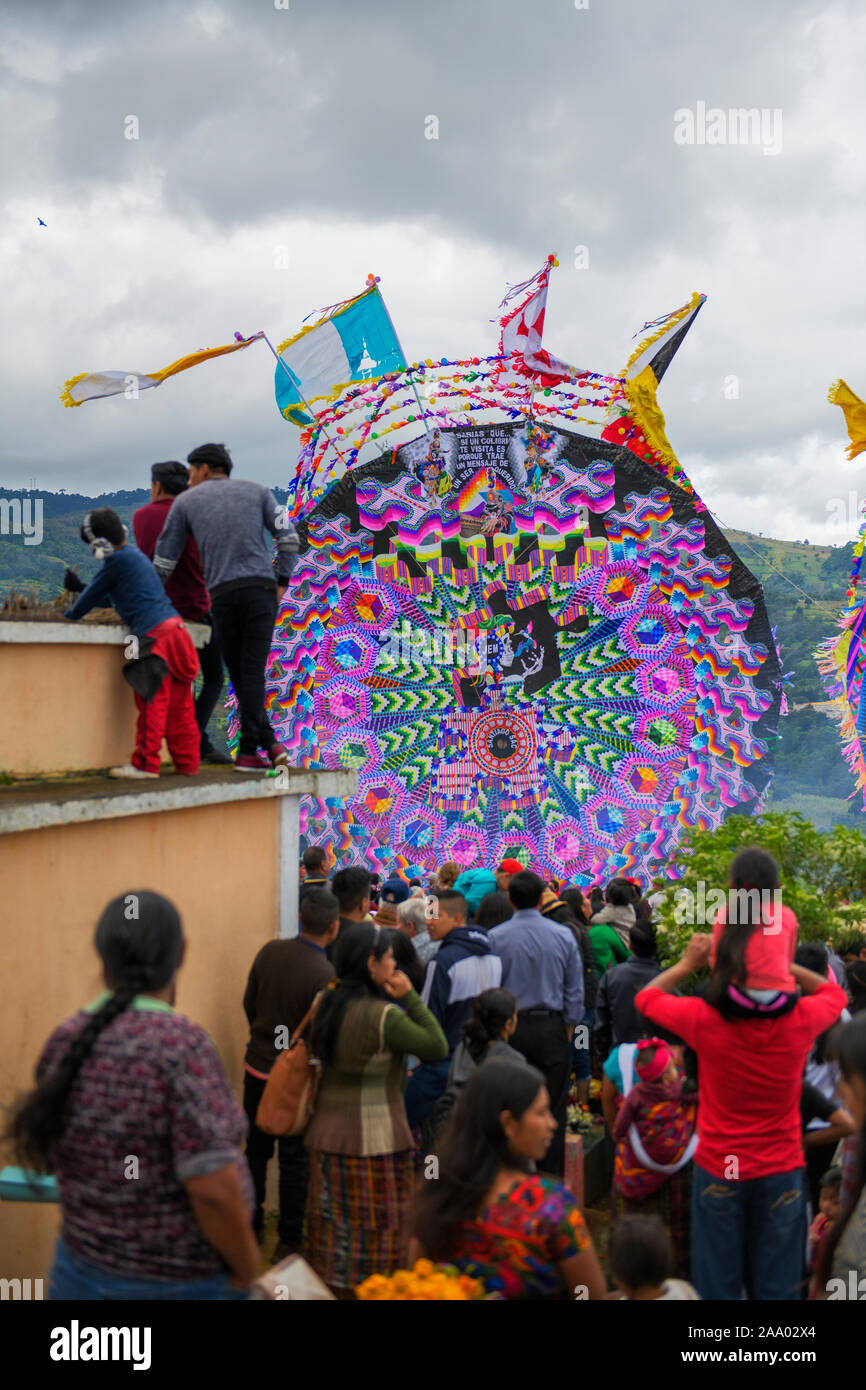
pixel 251 762
pixel 279 755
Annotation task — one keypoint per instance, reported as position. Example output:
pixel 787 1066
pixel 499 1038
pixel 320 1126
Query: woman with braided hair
pixel 133 1112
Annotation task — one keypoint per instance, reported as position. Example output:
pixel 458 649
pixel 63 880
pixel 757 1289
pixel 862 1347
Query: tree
pixel 823 877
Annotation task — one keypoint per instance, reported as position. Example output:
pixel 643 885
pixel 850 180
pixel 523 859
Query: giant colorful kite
pixel 842 658
pixel 513 616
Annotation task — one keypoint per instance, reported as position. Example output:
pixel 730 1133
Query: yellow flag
pixel 854 410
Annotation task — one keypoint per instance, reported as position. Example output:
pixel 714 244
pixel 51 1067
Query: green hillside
pixel 804 586
pixel 39 568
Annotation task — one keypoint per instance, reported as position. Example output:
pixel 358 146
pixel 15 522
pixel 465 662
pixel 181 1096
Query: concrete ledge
pixel 83 633
pixel 36 805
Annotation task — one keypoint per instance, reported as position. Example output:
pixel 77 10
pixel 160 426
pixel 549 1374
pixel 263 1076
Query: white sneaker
pixel 130 771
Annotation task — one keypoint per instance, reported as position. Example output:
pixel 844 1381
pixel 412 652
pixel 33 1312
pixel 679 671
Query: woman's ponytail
pixel 490 1013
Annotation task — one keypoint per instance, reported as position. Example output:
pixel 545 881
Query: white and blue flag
pixel 355 342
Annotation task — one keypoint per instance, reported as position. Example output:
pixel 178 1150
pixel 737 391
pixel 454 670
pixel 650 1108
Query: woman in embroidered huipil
pixel 134 1114
pixel 489 1212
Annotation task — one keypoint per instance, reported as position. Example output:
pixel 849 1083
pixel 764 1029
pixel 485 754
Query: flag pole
pixel 303 399
pixel 551 262
pixel 375 286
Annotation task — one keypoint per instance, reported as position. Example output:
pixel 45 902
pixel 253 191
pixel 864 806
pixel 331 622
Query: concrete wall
pixel 65 708
pixel 219 864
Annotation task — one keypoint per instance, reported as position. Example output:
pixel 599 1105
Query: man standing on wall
pixel 186 590
pixel 228 518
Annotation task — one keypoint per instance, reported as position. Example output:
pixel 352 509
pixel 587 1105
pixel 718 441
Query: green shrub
pixel 823 876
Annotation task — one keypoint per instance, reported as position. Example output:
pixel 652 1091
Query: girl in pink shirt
pixel 754 939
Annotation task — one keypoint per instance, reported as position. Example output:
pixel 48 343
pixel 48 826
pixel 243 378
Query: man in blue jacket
pixel 463 967
pixel 128 584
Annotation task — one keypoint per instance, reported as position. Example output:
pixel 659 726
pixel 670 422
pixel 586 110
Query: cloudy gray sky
pixel 304 128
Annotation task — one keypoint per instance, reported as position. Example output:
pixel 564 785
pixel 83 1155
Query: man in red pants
pixel 128 583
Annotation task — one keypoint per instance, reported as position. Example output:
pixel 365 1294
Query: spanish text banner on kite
pixel 355 341
pixel 93 386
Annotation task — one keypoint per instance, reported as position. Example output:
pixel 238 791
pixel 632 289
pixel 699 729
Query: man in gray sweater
pixel 228 519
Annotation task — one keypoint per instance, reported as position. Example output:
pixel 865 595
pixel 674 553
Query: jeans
pixel 425 1086
pixel 749 1234
pixel 244 621
pixel 582 1056
pixel 75 1279
pixel 543 1041
pixel 294 1170
pixel 212 676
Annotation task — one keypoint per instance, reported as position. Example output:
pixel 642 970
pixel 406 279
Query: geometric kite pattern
pixel 564 665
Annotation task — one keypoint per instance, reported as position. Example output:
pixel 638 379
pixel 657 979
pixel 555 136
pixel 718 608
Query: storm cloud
pixel 300 134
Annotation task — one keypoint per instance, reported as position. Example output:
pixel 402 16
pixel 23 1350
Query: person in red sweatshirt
pixel 186 591
pixel 749 1206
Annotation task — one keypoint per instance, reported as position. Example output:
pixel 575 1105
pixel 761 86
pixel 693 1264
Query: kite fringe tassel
pixel 853 753
pixel 675 317
pixel 842 714
pixel 65 395
pixel 534 282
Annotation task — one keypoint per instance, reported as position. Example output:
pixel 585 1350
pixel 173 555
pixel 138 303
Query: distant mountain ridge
pixel 39 568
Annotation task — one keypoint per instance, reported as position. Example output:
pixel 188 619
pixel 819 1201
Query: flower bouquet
pixel 425 1282
pixel 581 1119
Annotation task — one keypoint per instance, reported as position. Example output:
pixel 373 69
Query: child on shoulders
pixel 758 937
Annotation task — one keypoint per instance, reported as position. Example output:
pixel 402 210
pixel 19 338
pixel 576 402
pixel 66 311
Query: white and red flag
pixel 522 330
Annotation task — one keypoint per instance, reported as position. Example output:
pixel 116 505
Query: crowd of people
pixel 449 1021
